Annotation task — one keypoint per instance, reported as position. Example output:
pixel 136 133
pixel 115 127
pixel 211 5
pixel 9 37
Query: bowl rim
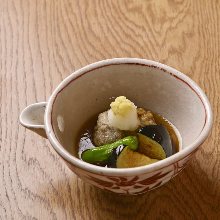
pixel 190 149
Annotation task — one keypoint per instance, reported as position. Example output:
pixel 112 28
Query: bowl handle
pixel 32 118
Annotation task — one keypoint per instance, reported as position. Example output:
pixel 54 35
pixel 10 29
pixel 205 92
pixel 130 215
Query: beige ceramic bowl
pixel 149 84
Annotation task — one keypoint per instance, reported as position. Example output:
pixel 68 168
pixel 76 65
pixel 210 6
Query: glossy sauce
pixel 85 135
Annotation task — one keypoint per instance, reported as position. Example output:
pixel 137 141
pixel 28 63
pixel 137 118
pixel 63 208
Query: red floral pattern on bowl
pixel 132 185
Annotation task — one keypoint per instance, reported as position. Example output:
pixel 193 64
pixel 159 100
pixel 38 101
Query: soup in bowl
pixel 89 91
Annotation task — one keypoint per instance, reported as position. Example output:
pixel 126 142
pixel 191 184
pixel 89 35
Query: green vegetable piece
pixel 101 154
pixel 150 148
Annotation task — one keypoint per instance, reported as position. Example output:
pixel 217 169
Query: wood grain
pixel 42 42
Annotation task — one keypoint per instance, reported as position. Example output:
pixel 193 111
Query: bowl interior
pixel 147 86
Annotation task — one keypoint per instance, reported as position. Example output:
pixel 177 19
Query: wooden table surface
pixel 42 42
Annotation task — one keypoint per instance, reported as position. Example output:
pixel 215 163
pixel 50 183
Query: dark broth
pixel 160 120
pixel 85 135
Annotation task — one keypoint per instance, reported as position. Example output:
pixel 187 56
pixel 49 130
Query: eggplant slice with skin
pixel 129 158
pixel 114 156
pixel 159 134
pixel 150 148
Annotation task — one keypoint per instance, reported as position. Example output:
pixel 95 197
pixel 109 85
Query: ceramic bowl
pixel 148 84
